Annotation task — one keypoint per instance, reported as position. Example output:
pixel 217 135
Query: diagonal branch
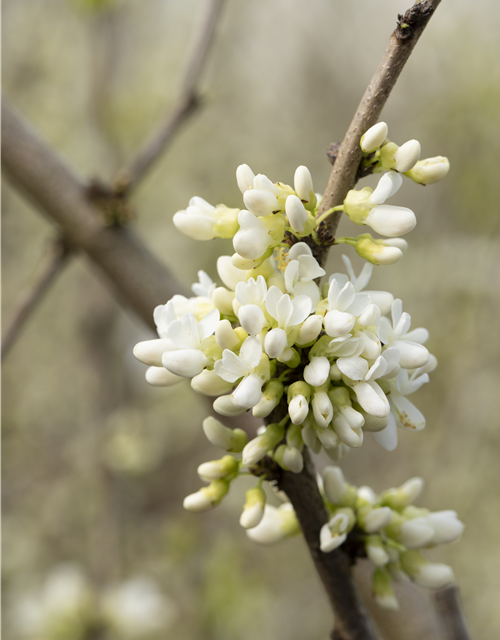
pixel 186 104
pixel 137 278
pixel 401 44
pixel 56 264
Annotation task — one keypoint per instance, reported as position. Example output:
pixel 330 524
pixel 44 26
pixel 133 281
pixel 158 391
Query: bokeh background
pixel 96 463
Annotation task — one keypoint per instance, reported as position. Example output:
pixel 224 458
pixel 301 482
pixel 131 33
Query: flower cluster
pixel 322 364
pixel 388 529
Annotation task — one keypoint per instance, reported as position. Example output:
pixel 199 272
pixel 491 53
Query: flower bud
pixel 289 458
pixel 317 372
pixel 303 183
pixel 433 576
pixel 260 203
pixel 218 469
pixel 161 377
pixel 150 352
pixel 336 488
pixel 252 319
pixel 185 362
pixel 244 177
pixel 351 436
pixel 257 448
pixel 401 158
pixel 271 395
pixel 207 497
pixel 253 510
pixel 277 525
pixel 404 495
pixel 430 170
pixel 374 138
pixel 382 590
pixel 225 406
pixel 415 533
pixel 377 252
pixel 275 343
pixel 296 213
pixel 310 330
pixel 232 440
pixel 391 221
pixel 208 383
pixel 447 527
pixel 333 534
pixel 375 551
pixel 322 409
pixel 376 519
pixel 223 300
pixel 225 336
pixel 298 409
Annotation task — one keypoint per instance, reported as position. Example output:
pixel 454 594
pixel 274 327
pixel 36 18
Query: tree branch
pixel 334 569
pixel 137 278
pixel 56 264
pixel 186 104
pixel 450 615
pixel 401 44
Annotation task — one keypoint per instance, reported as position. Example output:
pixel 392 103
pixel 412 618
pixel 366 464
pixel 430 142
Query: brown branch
pixel 401 44
pixel 450 615
pixel 137 278
pixel 334 569
pixel 56 264
pixel 186 104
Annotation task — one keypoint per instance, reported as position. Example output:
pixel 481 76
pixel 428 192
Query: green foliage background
pixel 96 462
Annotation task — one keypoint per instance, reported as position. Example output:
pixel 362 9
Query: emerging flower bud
pixel 277 525
pixel 333 534
pixel 296 213
pixel 271 395
pixel 433 576
pixel 253 511
pixel 303 183
pixel 161 377
pixel 232 440
pixel 317 372
pixel 150 352
pixel 383 591
pixel 244 177
pixel 310 330
pixel 289 458
pixel 259 446
pixel 374 138
pixel 430 170
pixel 208 497
pixel 226 467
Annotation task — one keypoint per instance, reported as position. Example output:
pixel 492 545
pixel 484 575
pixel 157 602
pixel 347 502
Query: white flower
pixel 208 383
pixel 334 533
pixel 374 137
pixel 413 353
pixel 407 156
pixel 334 484
pixel 434 576
pixel 377 519
pixel 416 533
pixel 361 378
pixel 277 525
pixel 367 207
pixel 223 437
pixel 310 330
pixel 298 408
pixel 322 409
pixel 261 202
pixel 161 377
pixel 150 352
pixel 202 221
pixel 244 177
pixel 205 287
pixel 344 305
pixel 232 367
pixel 288 314
pixel 301 271
pixel 383 299
pixel 317 371
pixel 446 525
pixel 188 336
pixel 253 510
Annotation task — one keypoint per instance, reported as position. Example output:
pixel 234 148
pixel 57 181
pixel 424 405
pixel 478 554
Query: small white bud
pixel 161 377
pixel 322 409
pixel 277 525
pixel 447 527
pixel 298 409
pixel 391 221
pixel 244 177
pixel 374 137
pixel 252 319
pixel 430 170
pixel 150 352
pixel 208 383
pixel 276 342
pixel 225 335
pixel 317 372
pixel 303 183
pixel 289 458
pixel 310 330
pixel 333 534
pixel 207 497
pixel 185 362
pixel 253 511
pixel 416 533
pixel 295 213
pixel 223 437
pixel 376 552
pixel 260 203
pixel 377 519
pixel 225 406
pixel 334 484
pixel 218 469
pixel 434 576
pixel 407 156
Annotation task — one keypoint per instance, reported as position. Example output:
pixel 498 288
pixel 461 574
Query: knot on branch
pixel 415 18
pixel 112 203
pixel 364 169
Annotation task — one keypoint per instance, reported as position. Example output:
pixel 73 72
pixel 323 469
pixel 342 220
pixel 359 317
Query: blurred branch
pixel 137 278
pixel 401 44
pixel 56 264
pixel 334 569
pixel 186 104
pixel 450 614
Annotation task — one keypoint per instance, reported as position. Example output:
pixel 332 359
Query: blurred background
pixel 96 463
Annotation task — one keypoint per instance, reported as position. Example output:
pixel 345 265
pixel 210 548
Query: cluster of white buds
pixel 335 359
pixel 392 530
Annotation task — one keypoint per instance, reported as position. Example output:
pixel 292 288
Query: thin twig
pixel 55 266
pixel 137 278
pixel 450 615
pixel 186 104
pixel 401 44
